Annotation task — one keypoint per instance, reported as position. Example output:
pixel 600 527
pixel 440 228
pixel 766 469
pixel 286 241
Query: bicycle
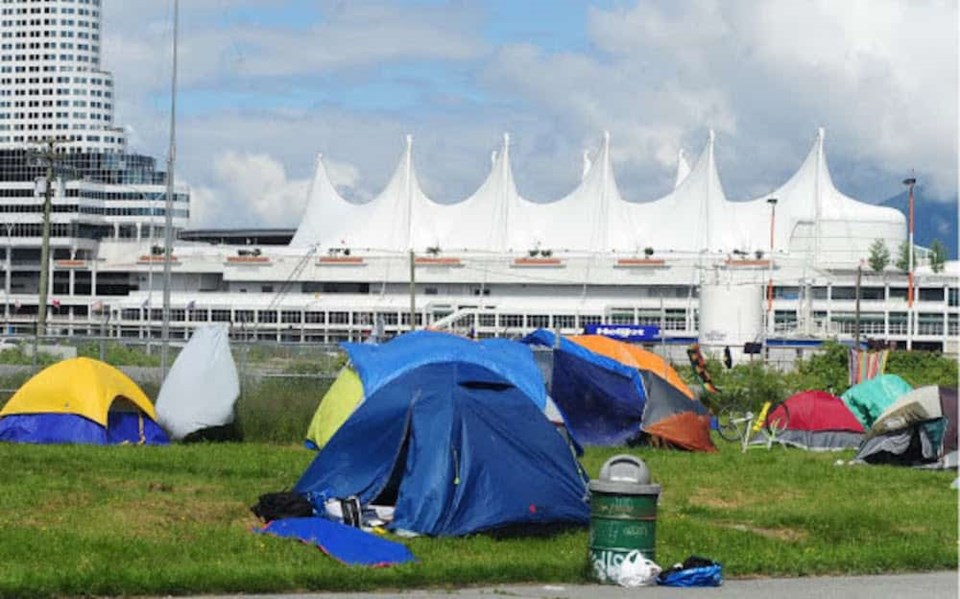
pixel 737 423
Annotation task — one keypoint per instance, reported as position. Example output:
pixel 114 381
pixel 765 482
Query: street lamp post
pixel 168 211
pixel 773 212
pixel 910 182
pixel 8 263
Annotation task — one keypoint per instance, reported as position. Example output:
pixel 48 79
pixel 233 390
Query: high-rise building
pixel 56 94
pixel 51 79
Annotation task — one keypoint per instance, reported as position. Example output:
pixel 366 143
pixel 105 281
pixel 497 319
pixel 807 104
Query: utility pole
pixel 48 154
pixel 856 320
pixel 168 206
pixel 413 291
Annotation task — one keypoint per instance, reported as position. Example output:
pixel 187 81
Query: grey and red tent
pixel 919 429
pixel 817 421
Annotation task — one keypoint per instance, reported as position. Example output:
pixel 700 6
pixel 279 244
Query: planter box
pixel 538 262
pixel 70 263
pixel 747 263
pixel 340 261
pixel 248 260
pixel 640 262
pixel 437 261
pixel 156 260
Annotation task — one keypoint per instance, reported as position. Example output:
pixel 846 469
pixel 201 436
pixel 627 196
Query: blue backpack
pixel 694 572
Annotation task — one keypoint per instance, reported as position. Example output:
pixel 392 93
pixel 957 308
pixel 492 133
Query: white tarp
pixel 202 386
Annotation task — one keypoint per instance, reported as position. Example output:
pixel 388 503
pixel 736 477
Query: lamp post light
pixel 910 182
pixel 8 265
pixel 773 214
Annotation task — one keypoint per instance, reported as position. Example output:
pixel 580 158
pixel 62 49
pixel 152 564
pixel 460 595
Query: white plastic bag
pixel 637 571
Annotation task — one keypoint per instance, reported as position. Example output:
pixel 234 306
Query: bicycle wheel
pixel 732 424
pixel 777 420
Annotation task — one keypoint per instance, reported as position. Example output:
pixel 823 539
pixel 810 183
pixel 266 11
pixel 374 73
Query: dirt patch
pixel 737 500
pixel 789 535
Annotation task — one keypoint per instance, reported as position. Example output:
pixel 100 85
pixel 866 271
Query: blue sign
pixel 624 332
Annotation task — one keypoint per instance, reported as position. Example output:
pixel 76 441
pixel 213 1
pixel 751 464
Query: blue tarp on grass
pixel 343 543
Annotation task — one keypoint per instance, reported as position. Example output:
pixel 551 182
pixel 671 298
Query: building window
pixel 220 315
pixel 290 317
pixel 405 319
pixel 843 293
pixel 511 320
pixel 538 321
pixel 898 293
pixel 931 294
pixel 339 318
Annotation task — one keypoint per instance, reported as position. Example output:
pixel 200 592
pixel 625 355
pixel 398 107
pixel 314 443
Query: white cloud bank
pixel 880 75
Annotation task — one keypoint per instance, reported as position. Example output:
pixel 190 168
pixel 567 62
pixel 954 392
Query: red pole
pixel 773 216
pixel 910 274
pixel 910 182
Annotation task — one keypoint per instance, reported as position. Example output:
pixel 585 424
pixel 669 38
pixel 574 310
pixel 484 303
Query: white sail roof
pixel 479 222
pixel 811 214
pixel 575 223
pixel 690 218
pixel 202 386
pixel 683 168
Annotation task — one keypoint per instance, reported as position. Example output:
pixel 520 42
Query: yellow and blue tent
pixel 337 404
pixel 80 400
pixel 369 370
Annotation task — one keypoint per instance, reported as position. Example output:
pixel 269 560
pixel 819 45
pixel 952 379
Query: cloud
pixel 254 186
pixel 264 95
pixel 881 75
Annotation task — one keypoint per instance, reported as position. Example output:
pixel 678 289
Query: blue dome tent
pixel 453 438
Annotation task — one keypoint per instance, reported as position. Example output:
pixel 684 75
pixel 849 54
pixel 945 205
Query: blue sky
pixel 266 85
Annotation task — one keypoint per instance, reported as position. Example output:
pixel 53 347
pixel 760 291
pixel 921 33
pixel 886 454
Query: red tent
pixel 817 420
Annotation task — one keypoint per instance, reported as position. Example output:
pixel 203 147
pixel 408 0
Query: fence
pixel 281 384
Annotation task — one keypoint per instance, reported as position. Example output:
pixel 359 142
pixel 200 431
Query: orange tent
pixel 631 355
pixel 610 392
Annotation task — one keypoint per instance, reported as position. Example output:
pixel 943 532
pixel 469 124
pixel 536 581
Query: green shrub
pixel 828 371
pixel 118 354
pixel 920 368
pixel 279 409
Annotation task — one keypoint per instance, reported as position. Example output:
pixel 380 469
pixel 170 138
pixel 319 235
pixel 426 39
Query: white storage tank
pixel 731 314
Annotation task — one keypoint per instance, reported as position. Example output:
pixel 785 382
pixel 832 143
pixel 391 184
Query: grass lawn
pixel 80 520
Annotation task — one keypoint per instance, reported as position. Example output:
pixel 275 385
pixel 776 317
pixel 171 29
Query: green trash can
pixel 623 515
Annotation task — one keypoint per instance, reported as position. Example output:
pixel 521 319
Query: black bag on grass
pixel 284 504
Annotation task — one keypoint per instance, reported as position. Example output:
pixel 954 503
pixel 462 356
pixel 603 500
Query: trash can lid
pixel 625 468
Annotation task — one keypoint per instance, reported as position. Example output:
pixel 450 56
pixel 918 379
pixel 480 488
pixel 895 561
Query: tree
pixel 938 255
pixel 879 255
pixel 903 257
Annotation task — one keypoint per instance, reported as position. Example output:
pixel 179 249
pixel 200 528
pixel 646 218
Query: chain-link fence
pixel 281 384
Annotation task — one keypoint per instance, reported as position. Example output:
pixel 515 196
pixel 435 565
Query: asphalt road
pixel 934 585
